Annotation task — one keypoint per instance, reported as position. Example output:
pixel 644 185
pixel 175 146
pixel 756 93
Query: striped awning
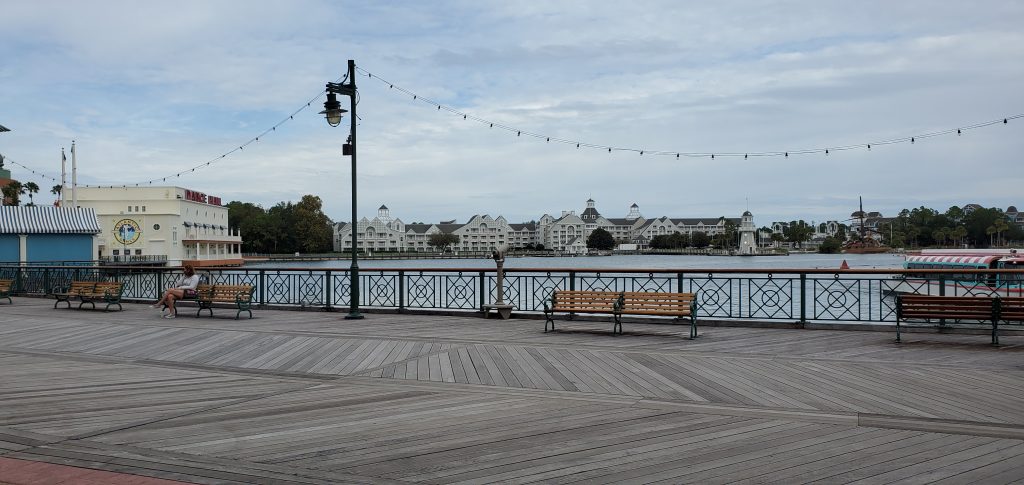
pixel 47 220
pixel 966 260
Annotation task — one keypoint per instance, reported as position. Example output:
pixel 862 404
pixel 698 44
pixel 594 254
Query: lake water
pixel 794 261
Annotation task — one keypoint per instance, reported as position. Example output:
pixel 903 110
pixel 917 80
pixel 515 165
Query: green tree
pixel 12 193
pixel 700 239
pixel 830 245
pixel 312 227
pixel 600 239
pixel 32 188
pixel 978 222
pixel 798 232
pixel 659 242
pixel 443 240
pixel 959 233
pixel 679 240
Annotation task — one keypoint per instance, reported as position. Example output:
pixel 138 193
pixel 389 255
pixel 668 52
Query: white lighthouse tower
pixel 748 243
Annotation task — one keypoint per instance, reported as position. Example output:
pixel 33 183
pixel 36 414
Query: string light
pixel 256 139
pixel 784 153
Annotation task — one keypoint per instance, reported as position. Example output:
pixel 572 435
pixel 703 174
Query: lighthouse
pixel 748 243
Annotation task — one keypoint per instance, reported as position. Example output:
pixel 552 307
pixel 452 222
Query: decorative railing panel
pixel 790 295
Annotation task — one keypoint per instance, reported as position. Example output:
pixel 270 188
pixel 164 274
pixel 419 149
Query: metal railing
pixel 801 295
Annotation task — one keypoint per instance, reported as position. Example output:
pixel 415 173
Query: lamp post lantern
pixel 333 112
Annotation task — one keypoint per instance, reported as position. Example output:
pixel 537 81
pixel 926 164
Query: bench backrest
pixel 967 308
pixel 231 292
pixel 1011 309
pixel 5 285
pixel 109 287
pixel 655 303
pixel 81 287
pixel 204 290
pixel 584 301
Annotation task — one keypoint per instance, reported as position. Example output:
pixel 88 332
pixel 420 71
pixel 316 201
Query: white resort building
pixel 567 233
pixel 160 223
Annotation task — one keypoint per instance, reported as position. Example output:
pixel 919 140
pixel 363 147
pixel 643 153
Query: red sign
pixel 201 197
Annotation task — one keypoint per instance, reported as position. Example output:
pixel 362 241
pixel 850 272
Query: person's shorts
pixel 190 293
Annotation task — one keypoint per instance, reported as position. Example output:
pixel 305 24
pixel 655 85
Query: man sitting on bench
pixel 186 288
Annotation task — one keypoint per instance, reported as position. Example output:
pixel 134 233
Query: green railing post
pixel 401 291
pixel 483 288
pixel 327 290
pixel 942 292
pixel 679 283
pixel 159 283
pixel 572 280
pixel 46 281
pixel 803 299
pixel 263 287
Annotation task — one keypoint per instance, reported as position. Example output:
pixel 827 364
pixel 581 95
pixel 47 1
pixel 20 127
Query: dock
pixel 305 397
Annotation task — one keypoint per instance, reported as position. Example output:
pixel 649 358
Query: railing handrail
pixel 875 271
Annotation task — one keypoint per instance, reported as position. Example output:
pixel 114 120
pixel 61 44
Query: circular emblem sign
pixel 126 231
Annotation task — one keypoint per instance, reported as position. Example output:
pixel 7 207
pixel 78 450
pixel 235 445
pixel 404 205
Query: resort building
pixel 567 233
pixel 156 224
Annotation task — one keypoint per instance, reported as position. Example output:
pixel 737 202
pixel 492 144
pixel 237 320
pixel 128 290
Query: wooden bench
pixel 1011 309
pixel 73 291
pixel 679 305
pixel 108 292
pixel 240 295
pixel 200 290
pixel 957 308
pixel 5 290
pixel 617 303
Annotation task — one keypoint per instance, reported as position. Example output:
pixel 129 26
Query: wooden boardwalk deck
pixel 307 397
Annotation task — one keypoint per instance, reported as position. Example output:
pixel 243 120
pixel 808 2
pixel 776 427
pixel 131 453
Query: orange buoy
pixel 844 265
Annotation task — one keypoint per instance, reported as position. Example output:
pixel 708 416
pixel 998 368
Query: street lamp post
pixel 333 112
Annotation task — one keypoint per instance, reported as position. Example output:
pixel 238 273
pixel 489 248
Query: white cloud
pixel 152 89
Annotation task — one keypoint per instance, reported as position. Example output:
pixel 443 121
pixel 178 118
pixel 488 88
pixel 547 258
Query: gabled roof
pixel 448 228
pixel 621 221
pixel 46 219
pixel 529 226
pixel 417 228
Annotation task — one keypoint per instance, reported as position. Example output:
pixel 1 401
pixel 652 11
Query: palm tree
pixel 990 230
pixel 960 233
pixel 1001 225
pixel 56 190
pixel 32 188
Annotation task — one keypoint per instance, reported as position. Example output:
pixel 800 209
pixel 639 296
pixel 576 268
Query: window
pixel 156 227
pixel 117 252
pixel 138 252
pixel 143 208
pixel 129 208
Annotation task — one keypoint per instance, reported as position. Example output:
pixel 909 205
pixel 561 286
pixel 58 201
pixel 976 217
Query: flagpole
pixel 63 175
pixel 74 177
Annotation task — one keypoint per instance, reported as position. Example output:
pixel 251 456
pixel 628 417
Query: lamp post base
pixel 354 316
pixel 504 311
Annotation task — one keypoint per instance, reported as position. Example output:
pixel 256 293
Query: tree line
pixel 284 228
pixel 923 226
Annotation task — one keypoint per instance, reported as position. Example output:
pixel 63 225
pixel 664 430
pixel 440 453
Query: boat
pixel 863 243
pixel 963 284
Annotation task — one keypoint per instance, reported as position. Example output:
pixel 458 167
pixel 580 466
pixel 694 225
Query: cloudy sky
pixel 148 89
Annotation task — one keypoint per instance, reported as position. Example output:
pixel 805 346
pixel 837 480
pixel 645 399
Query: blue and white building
pixel 36 234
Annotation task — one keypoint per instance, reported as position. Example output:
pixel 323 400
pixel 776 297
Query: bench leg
pixel 693 328
pixel 995 332
pixel 59 301
pixel 547 320
pixel 897 330
pixel 618 324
